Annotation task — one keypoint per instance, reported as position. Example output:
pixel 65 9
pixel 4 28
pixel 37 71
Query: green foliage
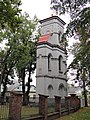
pixel 69 6
pixel 79 12
pixel 9 13
pixel 79 28
pixel 20 48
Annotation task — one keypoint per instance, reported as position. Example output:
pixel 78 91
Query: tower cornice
pixel 51 18
pixel 53 77
pixel 51 45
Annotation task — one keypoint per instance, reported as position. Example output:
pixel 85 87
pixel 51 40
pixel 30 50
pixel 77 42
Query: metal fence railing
pixel 64 105
pixel 31 109
pixel 51 105
pixel 4 109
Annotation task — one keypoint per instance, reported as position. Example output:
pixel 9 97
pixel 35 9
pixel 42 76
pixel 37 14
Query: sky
pixel 40 8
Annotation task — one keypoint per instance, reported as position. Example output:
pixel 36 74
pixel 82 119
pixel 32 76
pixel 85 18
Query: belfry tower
pixel 51 79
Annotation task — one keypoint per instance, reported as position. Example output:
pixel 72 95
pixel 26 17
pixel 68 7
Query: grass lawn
pixel 29 111
pixel 82 114
pixel 26 111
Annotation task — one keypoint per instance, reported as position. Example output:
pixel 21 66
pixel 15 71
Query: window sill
pixel 49 70
pixel 60 72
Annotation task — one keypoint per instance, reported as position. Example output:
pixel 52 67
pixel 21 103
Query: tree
pixel 79 12
pixel 9 22
pixel 79 28
pixel 20 51
pixel 28 56
pixel 9 13
pixel 73 7
pixel 82 75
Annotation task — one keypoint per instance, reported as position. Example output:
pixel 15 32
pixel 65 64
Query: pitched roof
pixel 44 38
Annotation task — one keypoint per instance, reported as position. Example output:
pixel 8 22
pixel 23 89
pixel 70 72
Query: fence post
pixel 43 106
pixel 79 102
pixel 58 104
pixel 67 99
pixel 73 101
pixel 15 105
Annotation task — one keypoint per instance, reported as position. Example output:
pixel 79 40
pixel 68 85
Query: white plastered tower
pixel 51 79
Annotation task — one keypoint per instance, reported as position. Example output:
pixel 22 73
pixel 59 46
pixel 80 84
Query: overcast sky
pixel 40 8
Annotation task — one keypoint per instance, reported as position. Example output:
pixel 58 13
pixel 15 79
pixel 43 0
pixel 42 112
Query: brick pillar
pixel 78 102
pixel 43 106
pixel 73 100
pixel 67 100
pixel 58 104
pixel 15 105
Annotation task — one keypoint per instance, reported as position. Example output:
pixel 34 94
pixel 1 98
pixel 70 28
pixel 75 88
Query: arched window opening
pixel 61 87
pixel 49 62
pixel 50 91
pixel 61 90
pixel 50 87
pixel 59 36
pixel 60 63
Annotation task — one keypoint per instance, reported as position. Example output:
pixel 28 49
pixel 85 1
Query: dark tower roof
pixel 51 18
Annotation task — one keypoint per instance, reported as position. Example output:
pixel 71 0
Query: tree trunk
pixel 23 84
pixel 4 89
pixel 84 88
pixel 4 82
pixel 85 94
pixel 28 84
pixel 26 99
